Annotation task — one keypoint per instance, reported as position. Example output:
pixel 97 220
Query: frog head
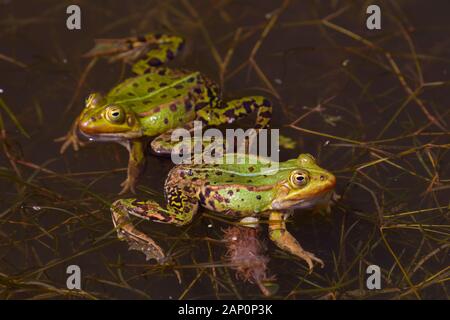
pixel 305 186
pixel 107 121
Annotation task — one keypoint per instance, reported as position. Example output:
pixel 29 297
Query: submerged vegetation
pixel 371 105
pixel 246 254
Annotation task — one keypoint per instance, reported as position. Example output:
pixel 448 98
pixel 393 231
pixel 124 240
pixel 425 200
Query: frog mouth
pixel 109 137
pixel 304 203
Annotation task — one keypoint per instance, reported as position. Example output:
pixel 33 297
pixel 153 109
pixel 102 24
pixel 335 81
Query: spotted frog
pixel 243 187
pixel 154 102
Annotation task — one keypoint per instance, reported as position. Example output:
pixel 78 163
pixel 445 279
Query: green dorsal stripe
pixel 156 92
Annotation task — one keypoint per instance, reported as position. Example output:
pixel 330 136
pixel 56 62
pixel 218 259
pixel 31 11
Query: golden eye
pixel 115 115
pixel 299 178
pixel 306 159
pixel 93 100
pixel 311 156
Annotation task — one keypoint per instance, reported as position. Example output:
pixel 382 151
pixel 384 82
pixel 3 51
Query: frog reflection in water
pixel 154 102
pixel 253 188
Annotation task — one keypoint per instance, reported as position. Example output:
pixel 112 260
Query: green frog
pixel 154 102
pixel 244 187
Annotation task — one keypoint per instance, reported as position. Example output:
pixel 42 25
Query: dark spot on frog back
pixel 154 62
pixel 170 54
pixel 173 107
pixel 230 113
pixel 188 106
pixel 200 105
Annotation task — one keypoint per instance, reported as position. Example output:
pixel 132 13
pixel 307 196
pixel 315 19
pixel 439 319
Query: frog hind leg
pixel 164 144
pixel 180 211
pixel 136 239
pixel 228 112
pixel 146 52
pixel 285 241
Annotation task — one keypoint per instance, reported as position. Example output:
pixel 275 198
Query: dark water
pixel 54 208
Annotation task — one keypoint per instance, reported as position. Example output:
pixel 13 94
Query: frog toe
pixel 310 259
pixel 136 239
pixel 69 140
pixel 128 185
pixel 150 249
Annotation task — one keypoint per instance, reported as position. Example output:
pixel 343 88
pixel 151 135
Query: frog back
pixel 162 100
pixel 239 189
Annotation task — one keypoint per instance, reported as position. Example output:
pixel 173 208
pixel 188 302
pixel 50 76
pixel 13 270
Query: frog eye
pixel 93 100
pixel 306 159
pixel 115 115
pixel 299 178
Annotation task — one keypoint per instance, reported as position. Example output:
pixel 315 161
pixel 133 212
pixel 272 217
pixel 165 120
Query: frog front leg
pixel 150 51
pixel 136 165
pixel 71 138
pixel 180 211
pixel 285 241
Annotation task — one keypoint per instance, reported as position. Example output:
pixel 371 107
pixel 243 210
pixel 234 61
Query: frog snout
pixel 84 125
pixel 328 179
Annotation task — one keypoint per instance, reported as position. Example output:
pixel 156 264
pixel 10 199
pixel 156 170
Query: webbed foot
pixel 135 238
pixel 285 241
pixel 310 258
pixel 70 139
pixel 128 185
